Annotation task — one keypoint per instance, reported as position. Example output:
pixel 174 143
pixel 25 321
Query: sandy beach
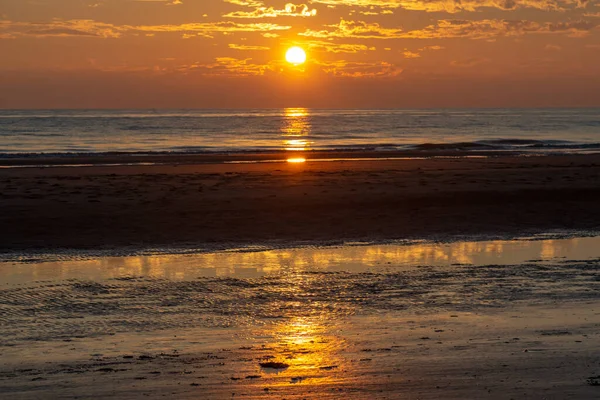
pixel 373 329
pixel 215 203
pixel 414 320
pixel 513 355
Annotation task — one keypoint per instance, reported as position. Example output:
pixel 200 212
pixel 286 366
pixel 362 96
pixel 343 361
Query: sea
pixel 80 132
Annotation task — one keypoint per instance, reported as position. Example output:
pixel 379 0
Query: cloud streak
pixel 453 28
pixel 453 6
pixel 290 10
pixel 90 28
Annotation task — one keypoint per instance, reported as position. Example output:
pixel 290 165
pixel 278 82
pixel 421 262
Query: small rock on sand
pixel 274 365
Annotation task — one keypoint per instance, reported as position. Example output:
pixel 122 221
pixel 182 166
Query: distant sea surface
pixel 68 132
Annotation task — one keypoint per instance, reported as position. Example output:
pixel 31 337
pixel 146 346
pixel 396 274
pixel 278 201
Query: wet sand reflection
pixel 248 263
pixel 308 349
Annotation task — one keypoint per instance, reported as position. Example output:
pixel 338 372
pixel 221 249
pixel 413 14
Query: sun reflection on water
pixel 296 128
pixel 309 349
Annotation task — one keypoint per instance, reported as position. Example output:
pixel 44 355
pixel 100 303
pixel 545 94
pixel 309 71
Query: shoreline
pixel 225 157
pixel 68 254
pixel 211 204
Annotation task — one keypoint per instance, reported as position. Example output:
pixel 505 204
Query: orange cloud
pixel 411 54
pixel 60 28
pixel 471 29
pixel 245 47
pixel 491 29
pixel 354 29
pixel 290 10
pixel 64 28
pixel 452 6
pixel 348 69
pixel 330 47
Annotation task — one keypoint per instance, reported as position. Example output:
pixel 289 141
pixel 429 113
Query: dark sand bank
pixel 209 202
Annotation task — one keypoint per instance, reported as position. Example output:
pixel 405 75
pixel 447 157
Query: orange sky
pixel 362 53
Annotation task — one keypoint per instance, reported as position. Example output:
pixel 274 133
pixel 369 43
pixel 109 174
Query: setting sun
pixel 295 55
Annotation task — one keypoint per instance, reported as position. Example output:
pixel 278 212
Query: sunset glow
pixel 247 54
pixel 327 199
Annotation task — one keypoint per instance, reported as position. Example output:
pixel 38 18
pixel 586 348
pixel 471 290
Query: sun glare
pixel 296 160
pixel 295 55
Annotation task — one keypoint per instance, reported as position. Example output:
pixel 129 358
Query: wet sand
pixel 259 261
pixel 201 201
pixel 512 355
pixel 449 332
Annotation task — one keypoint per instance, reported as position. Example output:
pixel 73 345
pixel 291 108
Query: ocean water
pixel 297 129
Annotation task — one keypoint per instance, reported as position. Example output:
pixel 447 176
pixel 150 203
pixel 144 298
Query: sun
pixel 295 55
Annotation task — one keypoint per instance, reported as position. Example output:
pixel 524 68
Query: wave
pixel 518 145
pixel 490 146
pixel 453 146
pixel 68 133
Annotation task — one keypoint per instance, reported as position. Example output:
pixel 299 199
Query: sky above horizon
pixel 361 53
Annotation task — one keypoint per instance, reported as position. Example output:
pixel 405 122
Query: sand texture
pixel 478 332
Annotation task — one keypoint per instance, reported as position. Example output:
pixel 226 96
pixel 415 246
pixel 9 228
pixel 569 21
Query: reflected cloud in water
pixel 351 258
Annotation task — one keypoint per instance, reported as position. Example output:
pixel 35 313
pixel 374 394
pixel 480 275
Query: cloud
pixel 451 6
pixel 246 67
pixel 348 69
pixel 167 2
pixel 60 28
pixel 90 28
pixel 246 3
pixel 410 54
pixel 486 29
pixel 244 47
pixel 330 47
pixel 417 53
pixel 290 10
pixel 492 29
pixel 229 66
pixel 354 29
pixel 209 29
pixel 435 47
pixel 454 28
